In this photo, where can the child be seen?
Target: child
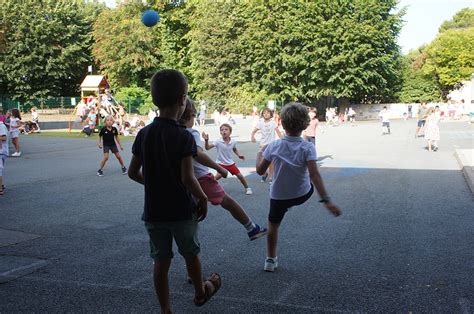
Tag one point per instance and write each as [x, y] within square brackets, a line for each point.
[295, 169]
[163, 162]
[432, 129]
[385, 115]
[3, 152]
[111, 139]
[91, 117]
[214, 192]
[310, 133]
[225, 147]
[15, 123]
[267, 128]
[35, 119]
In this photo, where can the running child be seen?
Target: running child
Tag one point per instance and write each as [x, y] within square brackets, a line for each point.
[3, 152]
[296, 175]
[163, 162]
[225, 147]
[215, 193]
[110, 137]
[15, 124]
[267, 128]
[384, 114]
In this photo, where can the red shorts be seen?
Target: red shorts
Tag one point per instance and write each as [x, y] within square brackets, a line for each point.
[231, 168]
[214, 192]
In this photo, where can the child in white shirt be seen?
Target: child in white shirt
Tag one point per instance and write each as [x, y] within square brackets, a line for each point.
[385, 116]
[214, 192]
[225, 149]
[267, 127]
[296, 175]
[3, 152]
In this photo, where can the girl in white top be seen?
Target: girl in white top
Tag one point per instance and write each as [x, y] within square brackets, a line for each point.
[15, 123]
[267, 127]
[296, 172]
[226, 147]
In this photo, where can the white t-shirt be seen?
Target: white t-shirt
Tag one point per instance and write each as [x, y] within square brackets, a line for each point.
[225, 151]
[4, 132]
[385, 114]
[14, 122]
[34, 116]
[199, 169]
[267, 128]
[289, 156]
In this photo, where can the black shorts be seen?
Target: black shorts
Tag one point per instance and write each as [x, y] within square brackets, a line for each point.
[421, 123]
[278, 208]
[113, 148]
[386, 124]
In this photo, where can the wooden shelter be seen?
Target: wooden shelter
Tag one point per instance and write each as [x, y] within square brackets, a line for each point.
[94, 85]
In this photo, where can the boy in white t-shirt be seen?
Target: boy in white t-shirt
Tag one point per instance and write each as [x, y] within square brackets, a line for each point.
[214, 192]
[296, 175]
[267, 127]
[3, 152]
[385, 116]
[226, 147]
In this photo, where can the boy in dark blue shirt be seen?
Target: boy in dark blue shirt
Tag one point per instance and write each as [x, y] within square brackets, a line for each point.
[163, 162]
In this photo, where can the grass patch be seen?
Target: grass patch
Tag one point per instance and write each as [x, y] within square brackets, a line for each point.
[73, 134]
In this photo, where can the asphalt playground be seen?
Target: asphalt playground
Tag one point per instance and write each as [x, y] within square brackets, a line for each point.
[74, 242]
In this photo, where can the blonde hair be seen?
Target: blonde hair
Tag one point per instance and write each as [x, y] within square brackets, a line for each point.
[294, 117]
[109, 117]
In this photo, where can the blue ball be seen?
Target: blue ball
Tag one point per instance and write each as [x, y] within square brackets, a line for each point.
[150, 18]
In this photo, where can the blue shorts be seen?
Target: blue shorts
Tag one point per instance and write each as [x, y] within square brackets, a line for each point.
[278, 208]
[421, 123]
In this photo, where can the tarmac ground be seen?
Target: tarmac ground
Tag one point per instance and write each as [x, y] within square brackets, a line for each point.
[74, 242]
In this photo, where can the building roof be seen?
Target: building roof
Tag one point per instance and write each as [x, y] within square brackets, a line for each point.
[93, 82]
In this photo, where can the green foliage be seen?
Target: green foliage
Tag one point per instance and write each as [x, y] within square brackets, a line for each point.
[242, 98]
[45, 46]
[462, 19]
[137, 98]
[126, 50]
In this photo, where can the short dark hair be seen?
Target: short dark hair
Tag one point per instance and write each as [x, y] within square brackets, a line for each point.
[294, 117]
[188, 112]
[270, 111]
[168, 87]
[227, 126]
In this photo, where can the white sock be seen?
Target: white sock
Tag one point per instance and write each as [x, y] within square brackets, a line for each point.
[249, 226]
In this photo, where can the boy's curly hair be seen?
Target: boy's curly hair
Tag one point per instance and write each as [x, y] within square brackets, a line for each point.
[189, 112]
[294, 117]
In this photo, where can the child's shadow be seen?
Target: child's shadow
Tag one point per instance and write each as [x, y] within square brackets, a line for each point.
[320, 160]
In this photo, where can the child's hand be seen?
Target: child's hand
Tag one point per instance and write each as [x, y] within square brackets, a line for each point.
[242, 157]
[205, 136]
[223, 172]
[333, 208]
[121, 147]
[100, 146]
[201, 209]
[253, 139]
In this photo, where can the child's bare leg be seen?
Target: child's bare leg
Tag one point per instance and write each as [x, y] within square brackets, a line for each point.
[160, 279]
[119, 158]
[429, 146]
[193, 265]
[103, 161]
[272, 239]
[16, 143]
[242, 180]
[235, 209]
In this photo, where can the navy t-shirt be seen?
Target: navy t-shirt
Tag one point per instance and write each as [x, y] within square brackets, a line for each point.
[108, 135]
[161, 146]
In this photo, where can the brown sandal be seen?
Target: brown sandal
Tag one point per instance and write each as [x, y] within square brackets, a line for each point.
[211, 286]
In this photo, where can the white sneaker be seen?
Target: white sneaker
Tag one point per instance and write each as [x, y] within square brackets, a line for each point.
[271, 263]
[16, 154]
[248, 191]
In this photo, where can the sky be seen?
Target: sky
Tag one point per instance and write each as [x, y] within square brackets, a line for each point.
[422, 20]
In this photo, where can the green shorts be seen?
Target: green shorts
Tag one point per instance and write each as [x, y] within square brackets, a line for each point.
[161, 238]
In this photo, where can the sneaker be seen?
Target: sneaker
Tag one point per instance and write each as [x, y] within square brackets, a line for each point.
[271, 263]
[257, 232]
[124, 170]
[248, 191]
[264, 178]
[16, 154]
[100, 173]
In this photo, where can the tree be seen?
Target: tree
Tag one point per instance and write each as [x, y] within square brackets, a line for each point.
[462, 19]
[46, 46]
[127, 51]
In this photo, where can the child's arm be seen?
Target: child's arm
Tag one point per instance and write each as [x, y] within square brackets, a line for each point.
[134, 170]
[99, 141]
[205, 160]
[206, 141]
[278, 132]
[318, 183]
[263, 166]
[236, 151]
[252, 135]
[191, 183]
[117, 141]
